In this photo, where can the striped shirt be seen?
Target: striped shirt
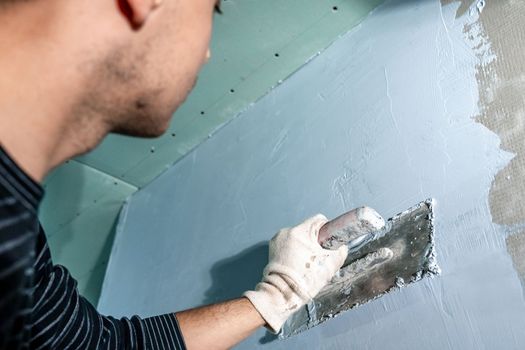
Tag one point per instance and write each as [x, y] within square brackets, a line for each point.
[40, 307]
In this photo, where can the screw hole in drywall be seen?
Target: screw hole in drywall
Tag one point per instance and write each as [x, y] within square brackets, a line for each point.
[335, 8]
[203, 113]
[115, 183]
[173, 135]
[152, 150]
[232, 91]
[276, 54]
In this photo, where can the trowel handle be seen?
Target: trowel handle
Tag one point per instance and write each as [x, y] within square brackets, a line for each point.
[350, 226]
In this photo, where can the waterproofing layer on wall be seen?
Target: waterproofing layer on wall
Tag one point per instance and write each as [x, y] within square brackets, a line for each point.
[255, 45]
[387, 116]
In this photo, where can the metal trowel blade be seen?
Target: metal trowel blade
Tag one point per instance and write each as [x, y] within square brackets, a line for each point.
[400, 254]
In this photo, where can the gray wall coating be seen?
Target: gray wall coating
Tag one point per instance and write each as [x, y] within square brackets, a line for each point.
[516, 248]
[384, 117]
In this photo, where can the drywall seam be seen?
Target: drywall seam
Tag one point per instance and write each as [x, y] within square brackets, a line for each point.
[78, 213]
[118, 233]
[106, 174]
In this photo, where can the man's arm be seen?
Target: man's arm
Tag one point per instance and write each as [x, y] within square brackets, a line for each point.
[298, 268]
[63, 319]
[219, 326]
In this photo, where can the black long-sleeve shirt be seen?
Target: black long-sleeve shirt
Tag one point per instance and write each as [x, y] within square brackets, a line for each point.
[40, 307]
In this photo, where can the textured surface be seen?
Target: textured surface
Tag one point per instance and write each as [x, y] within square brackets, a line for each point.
[503, 100]
[502, 109]
[502, 86]
[516, 247]
[388, 121]
[256, 44]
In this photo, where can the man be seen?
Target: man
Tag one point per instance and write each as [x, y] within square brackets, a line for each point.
[70, 73]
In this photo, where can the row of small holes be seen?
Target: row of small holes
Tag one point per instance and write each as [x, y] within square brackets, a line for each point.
[152, 150]
[232, 91]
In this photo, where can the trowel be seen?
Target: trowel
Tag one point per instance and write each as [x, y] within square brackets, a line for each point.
[382, 257]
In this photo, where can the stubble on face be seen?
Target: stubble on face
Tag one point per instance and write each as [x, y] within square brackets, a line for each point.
[118, 93]
[136, 88]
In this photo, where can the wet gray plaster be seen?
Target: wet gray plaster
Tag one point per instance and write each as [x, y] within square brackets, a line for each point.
[384, 117]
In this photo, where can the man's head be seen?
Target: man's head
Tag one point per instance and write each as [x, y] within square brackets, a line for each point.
[146, 68]
[128, 62]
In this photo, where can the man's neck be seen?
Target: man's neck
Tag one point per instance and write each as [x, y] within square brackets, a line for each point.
[41, 142]
[40, 132]
[40, 86]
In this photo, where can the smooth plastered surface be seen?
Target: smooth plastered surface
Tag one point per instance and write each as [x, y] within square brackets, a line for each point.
[385, 117]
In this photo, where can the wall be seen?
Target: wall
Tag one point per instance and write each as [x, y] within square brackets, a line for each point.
[255, 45]
[502, 86]
[79, 214]
[387, 116]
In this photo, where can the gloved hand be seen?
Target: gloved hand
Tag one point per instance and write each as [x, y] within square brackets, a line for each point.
[297, 270]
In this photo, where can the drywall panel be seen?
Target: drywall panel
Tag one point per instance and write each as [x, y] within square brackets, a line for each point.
[384, 117]
[79, 213]
[255, 45]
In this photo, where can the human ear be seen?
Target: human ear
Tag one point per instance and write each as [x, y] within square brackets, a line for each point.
[137, 11]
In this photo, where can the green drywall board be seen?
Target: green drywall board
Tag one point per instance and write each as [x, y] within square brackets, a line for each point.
[90, 285]
[78, 213]
[246, 38]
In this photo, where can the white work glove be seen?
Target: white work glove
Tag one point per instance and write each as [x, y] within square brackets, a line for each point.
[297, 270]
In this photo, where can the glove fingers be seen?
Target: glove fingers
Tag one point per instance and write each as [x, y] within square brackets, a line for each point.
[334, 260]
[342, 254]
[313, 225]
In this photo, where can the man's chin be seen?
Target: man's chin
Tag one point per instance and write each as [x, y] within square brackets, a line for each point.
[144, 130]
